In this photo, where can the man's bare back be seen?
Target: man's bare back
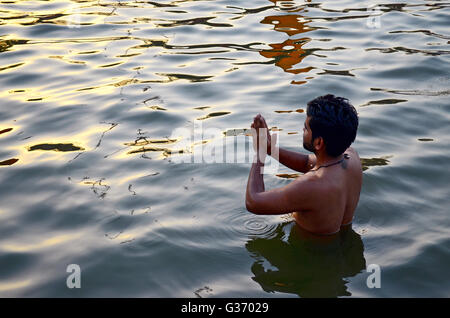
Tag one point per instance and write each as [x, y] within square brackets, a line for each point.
[339, 187]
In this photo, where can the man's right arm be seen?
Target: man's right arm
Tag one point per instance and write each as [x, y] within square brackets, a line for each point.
[295, 160]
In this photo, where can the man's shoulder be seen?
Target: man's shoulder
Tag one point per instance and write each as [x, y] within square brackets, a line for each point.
[351, 149]
[358, 163]
[308, 180]
[353, 152]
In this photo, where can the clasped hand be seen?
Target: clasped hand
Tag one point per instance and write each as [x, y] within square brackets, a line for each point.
[262, 140]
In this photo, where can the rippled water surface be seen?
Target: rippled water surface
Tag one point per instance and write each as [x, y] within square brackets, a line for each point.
[93, 93]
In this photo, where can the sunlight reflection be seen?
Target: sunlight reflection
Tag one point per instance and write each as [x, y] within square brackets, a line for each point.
[38, 243]
[58, 148]
[7, 286]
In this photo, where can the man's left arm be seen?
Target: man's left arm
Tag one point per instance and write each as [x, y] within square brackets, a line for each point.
[299, 195]
[255, 184]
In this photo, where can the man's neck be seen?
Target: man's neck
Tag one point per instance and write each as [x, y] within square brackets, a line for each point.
[324, 159]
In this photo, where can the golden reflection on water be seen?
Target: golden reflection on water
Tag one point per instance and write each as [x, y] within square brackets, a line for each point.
[157, 107]
[165, 151]
[129, 178]
[65, 97]
[143, 141]
[67, 13]
[57, 148]
[287, 55]
[11, 66]
[4, 133]
[214, 114]
[6, 286]
[41, 243]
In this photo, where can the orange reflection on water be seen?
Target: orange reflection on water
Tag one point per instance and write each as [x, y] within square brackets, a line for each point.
[287, 54]
[290, 24]
[290, 52]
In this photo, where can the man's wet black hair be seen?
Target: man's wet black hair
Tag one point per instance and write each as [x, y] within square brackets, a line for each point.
[335, 120]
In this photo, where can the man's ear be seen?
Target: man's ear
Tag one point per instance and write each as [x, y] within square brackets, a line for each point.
[319, 144]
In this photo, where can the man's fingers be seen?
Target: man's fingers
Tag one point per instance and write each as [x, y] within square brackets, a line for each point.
[257, 124]
[263, 121]
[260, 122]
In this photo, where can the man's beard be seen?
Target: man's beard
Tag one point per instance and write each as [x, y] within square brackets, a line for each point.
[309, 146]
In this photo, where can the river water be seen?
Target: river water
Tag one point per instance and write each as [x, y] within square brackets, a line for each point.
[99, 99]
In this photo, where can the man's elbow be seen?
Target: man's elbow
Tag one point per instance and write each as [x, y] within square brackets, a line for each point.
[249, 206]
[252, 207]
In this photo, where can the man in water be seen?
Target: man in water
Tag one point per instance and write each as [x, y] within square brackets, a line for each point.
[325, 197]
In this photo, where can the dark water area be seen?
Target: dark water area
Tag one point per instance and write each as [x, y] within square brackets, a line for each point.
[95, 169]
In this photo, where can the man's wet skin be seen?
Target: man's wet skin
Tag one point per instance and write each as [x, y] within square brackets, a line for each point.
[340, 187]
[323, 199]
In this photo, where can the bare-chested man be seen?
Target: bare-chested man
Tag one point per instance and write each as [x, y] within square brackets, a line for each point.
[325, 197]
